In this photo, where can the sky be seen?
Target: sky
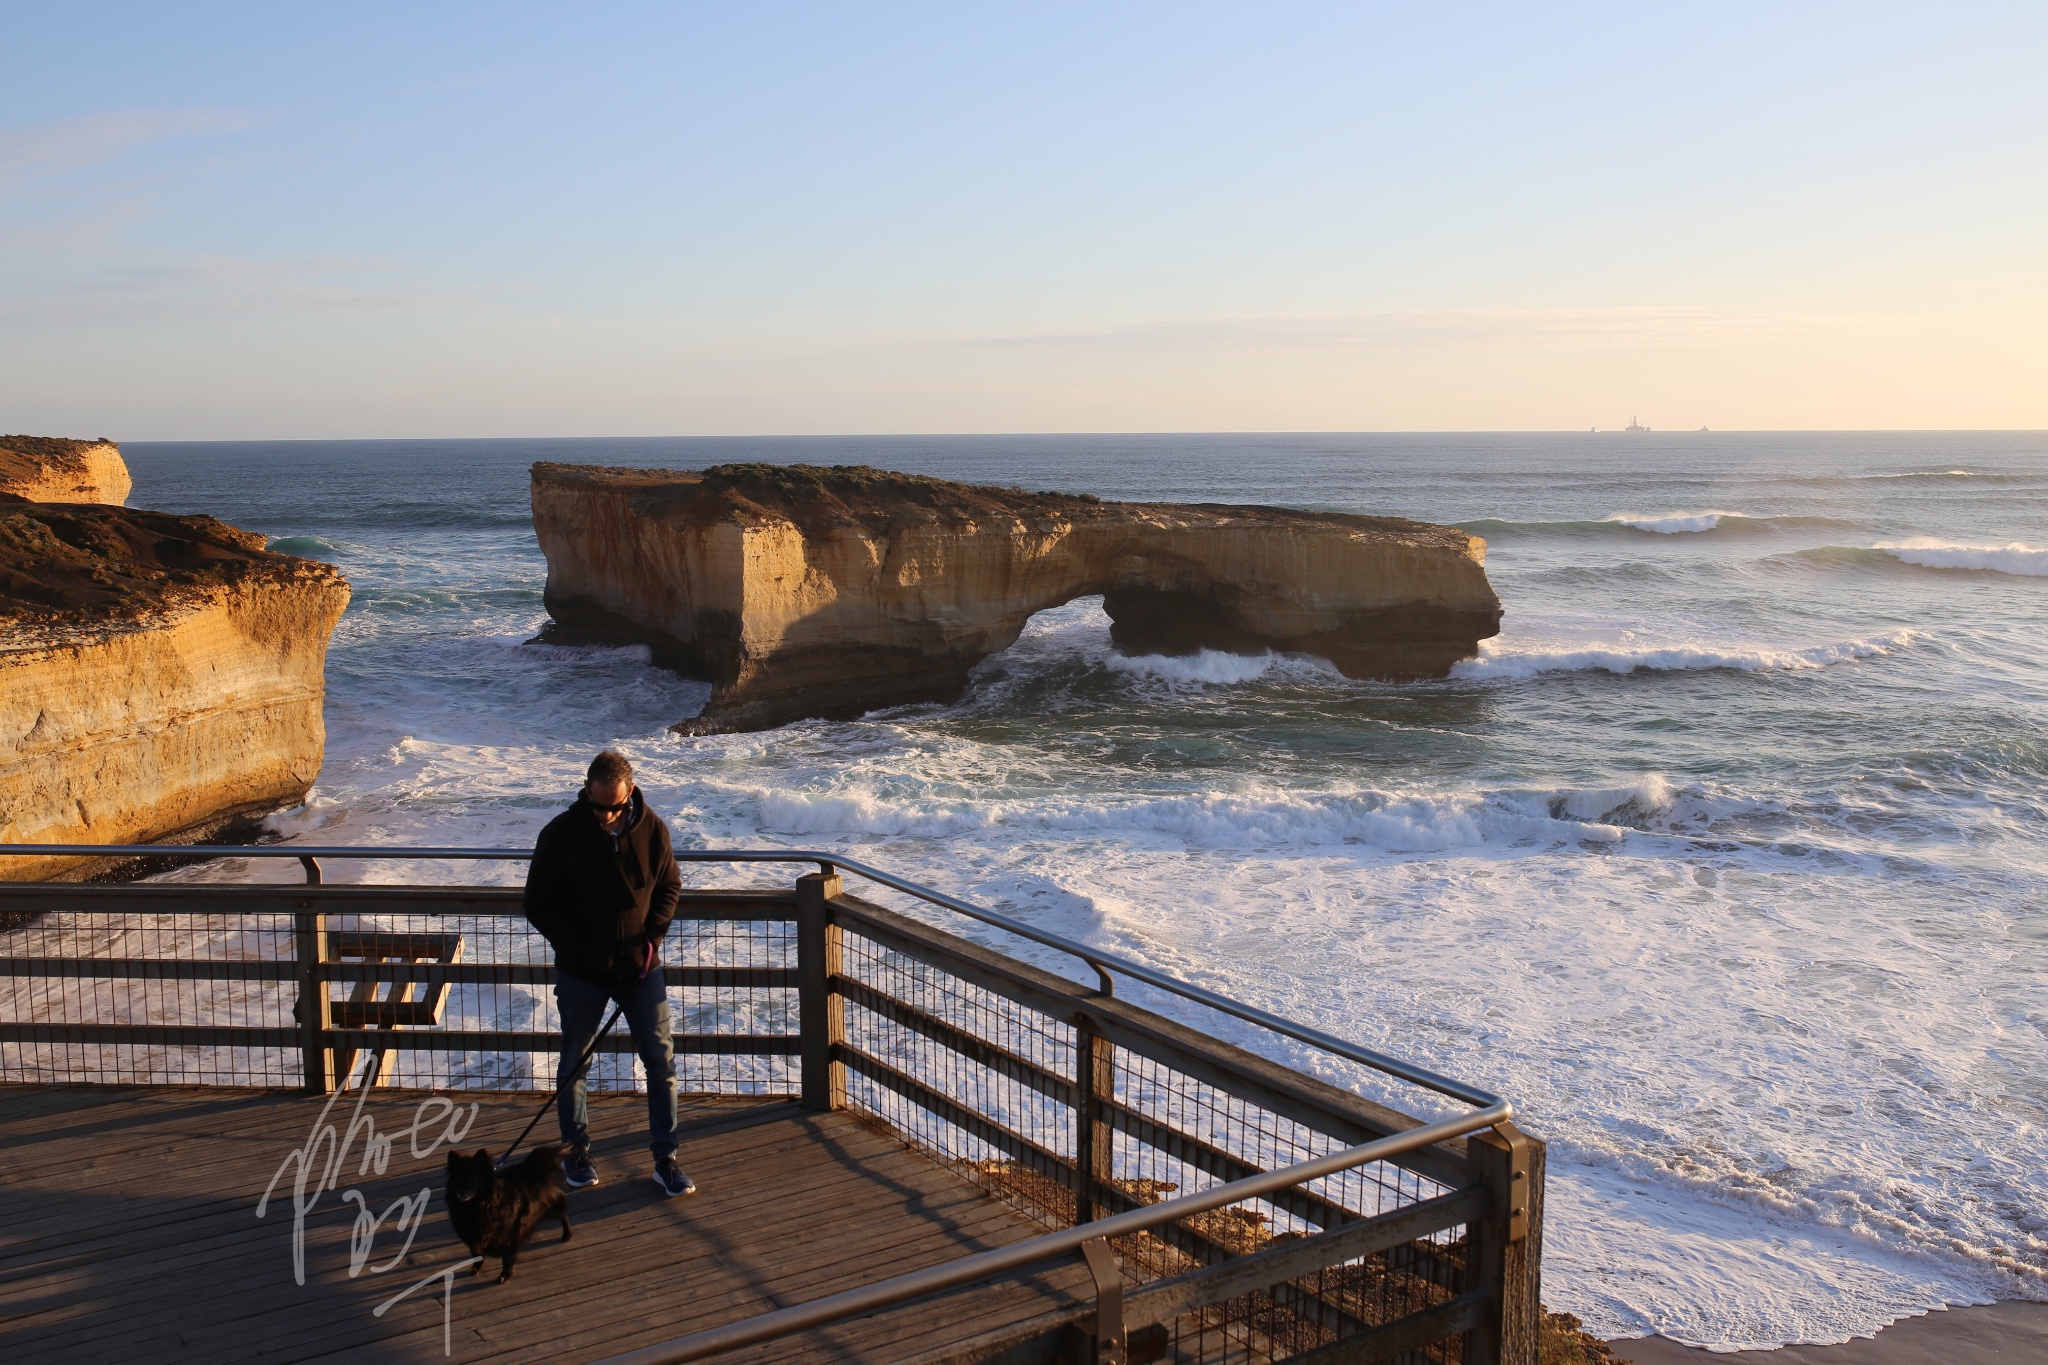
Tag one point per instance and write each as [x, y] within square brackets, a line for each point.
[363, 220]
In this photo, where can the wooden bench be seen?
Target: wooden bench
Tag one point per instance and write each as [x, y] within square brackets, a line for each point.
[400, 1007]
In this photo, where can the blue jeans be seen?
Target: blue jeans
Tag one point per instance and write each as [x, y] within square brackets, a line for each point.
[582, 1005]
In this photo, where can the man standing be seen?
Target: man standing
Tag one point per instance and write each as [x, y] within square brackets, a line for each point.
[602, 888]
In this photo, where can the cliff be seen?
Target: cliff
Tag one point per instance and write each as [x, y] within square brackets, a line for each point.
[160, 677]
[830, 592]
[52, 469]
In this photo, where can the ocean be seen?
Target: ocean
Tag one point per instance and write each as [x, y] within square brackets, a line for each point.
[1725, 861]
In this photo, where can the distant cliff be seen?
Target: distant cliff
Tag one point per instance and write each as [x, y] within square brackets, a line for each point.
[801, 591]
[53, 469]
[160, 677]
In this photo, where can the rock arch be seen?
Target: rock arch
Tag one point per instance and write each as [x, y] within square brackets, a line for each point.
[801, 591]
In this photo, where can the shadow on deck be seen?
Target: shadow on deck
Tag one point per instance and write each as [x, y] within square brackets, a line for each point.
[128, 1231]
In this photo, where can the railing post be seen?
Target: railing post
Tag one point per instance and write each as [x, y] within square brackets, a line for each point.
[1112, 1345]
[1094, 1139]
[1504, 1250]
[313, 1011]
[821, 1010]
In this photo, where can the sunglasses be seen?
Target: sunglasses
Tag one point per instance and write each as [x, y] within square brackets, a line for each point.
[611, 810]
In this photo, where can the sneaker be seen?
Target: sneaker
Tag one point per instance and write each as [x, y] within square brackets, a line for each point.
[673, 1179]
[577, 1172]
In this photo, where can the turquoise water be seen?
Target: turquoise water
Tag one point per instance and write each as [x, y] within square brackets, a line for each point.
[1725, 861]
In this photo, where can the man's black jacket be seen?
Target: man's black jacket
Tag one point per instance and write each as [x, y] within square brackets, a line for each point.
[595, 897]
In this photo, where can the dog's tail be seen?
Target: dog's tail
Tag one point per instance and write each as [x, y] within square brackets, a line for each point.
[546, 1158]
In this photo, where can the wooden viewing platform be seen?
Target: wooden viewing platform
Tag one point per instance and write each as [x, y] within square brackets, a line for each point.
[128, 1232]
[864, 1096]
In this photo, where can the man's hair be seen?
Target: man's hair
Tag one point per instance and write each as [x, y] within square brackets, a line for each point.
[609, 767]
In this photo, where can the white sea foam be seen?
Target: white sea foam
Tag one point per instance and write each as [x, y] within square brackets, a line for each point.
[1930, 553]
[1257, 818]
[1673, 523]
[1207, 668]
[1501, 662]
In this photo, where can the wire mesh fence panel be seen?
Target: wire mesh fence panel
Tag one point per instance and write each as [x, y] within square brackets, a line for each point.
[211, 998]
[963, 1072]
[1178, 1134]
[724, 1000]
[63, 977]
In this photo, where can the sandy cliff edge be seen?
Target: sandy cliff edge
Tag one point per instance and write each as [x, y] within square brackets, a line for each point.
[802, 591]
[159, 676]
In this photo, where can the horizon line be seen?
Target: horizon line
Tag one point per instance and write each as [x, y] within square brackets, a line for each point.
[1213, 431]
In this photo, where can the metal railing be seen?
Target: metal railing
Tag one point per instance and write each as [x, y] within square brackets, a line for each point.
[1237, 1209]
[1111, 1322]
[1106, 965]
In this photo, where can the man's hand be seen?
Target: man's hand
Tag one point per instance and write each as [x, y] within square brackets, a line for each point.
[645, 955]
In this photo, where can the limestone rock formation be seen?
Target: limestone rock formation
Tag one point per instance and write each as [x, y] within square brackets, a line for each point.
[52, 469]
[160, 677]
[830, 592]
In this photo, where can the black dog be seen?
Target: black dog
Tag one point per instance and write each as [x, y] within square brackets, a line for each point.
[494, 1211]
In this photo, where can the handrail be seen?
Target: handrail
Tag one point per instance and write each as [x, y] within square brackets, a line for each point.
[884, 1293]
[265, 851]
[1103, 963]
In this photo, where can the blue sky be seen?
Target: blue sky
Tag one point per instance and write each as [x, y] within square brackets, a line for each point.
[277, 221]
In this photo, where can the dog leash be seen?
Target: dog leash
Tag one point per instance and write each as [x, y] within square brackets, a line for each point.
[562, 1085]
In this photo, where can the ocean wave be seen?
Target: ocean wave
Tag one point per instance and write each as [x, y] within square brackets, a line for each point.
[1678, 523]
[527, 641]
[1209, 667]
[1495, 662]
[305, 547]
[424, 515]
[1385, 822]
[2016, 558]
[1215, 668]
[315, 813]
[1710, 521]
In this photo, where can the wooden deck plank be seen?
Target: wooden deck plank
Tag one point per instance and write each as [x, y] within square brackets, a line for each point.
[513, 1317]
[228, 1247]
[132, 1304]
[587, 1328]
[126, 1230]
[57, 1214]
[378, 1193]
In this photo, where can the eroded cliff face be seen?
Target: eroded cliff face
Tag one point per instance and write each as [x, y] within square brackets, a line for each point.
[53, 469]
[813, 592]
[160, 676]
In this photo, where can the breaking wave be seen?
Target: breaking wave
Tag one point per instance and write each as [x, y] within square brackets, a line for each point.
[305, 547]
[1663, 523]
[1678, 523]
[1496, 663]
[1209, 667]
[1929, 553]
